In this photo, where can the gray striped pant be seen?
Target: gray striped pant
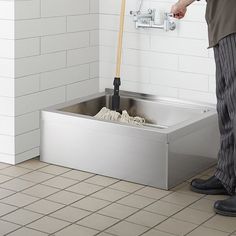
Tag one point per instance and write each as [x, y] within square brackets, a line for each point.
[225, 58]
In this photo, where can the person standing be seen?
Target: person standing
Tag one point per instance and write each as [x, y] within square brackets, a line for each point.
[221, 21]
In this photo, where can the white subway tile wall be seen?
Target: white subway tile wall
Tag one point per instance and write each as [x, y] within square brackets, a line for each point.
[52, 51]
[48, 55]
[175, 63]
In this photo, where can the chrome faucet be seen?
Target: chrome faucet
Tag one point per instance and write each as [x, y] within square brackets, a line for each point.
[147, 20]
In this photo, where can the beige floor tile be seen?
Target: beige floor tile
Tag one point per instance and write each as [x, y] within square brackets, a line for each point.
[136, 201]
[22, 217]
[202, 231]
[76, 230]
[27, 232]
[44, 206]
[34, 172]
[54, 170]
[193, 216]
[36, 176]
[152, 192]
[70, 214]
[91, 204]
[164, 208]
[101, 180]
[77, 175]
[98, 222]
[5, 193]
[40, 191]
[33, 164]
[117, 211]
[19, 200]
[126, 186]
[176, 227]
[65, 197]
[48, 225]
[226, 224]
[180, 199]
[17, 184]
[154, 232]
[216, 197]
[84, 188]
[109, 194]
[60, 182]
[195, 177]
[7, 227]
[179, 186]
[104, 234]
[4, 165]
[126, 229]
[146, 218]
[5, 209]
[204, 177]
[14, 171]
[211, 171]
[203, 205]
[186, 190]
[4, 178]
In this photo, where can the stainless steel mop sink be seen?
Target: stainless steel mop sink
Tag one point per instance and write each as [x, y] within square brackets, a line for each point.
[179, 140]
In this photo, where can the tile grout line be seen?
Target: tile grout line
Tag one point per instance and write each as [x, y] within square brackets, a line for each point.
[83, 198]
[93, 212]
[23, 207]
[138, 210]
[44, 198]
[150, 228]
[17, 177]
[104, 187]
[173, 215]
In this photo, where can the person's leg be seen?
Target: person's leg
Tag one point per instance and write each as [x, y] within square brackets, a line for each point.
[225, 57]
[223, 182]
[226, 167]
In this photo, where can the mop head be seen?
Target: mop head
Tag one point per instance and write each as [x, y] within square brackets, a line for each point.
[107, 114]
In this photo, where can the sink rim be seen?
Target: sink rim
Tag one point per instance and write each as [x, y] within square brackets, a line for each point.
[211, 111]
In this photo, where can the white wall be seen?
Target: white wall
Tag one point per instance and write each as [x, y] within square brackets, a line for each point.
[7, 48]
[54, 58]
[176, 64]
[52, 51]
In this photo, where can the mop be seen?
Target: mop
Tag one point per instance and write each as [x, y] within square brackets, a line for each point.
[124, 117]
[115, 114]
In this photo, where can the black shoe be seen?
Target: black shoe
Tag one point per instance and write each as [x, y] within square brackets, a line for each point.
[226, 207]
[211, 186]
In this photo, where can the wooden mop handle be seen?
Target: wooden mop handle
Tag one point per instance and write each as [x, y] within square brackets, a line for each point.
[120, 39]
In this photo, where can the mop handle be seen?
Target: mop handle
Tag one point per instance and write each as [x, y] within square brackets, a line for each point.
[120, 39]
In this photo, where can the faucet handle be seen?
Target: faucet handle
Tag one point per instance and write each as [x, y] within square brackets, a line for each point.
[169, 24]
[153, 14]
[135, 15]
[168, 15]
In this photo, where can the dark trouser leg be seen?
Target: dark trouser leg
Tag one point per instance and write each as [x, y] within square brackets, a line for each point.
[225, 57]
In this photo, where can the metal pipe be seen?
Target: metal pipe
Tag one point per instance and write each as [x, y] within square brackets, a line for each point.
[150, 25]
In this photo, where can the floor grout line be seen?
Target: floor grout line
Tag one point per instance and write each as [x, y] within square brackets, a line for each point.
[94, 212]
[120, 220]
[139, 209]
[60, 208]
[23, 207]
[89, 195]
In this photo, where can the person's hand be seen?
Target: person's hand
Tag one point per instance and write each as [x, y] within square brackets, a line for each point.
[179, 10]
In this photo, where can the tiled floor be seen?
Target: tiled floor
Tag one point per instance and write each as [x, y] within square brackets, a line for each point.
[39, 199]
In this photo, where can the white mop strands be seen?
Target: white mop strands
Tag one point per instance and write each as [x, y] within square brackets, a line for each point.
[107, 114]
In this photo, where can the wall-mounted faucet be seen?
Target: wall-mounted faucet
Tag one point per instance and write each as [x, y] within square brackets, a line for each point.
[147, 20]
